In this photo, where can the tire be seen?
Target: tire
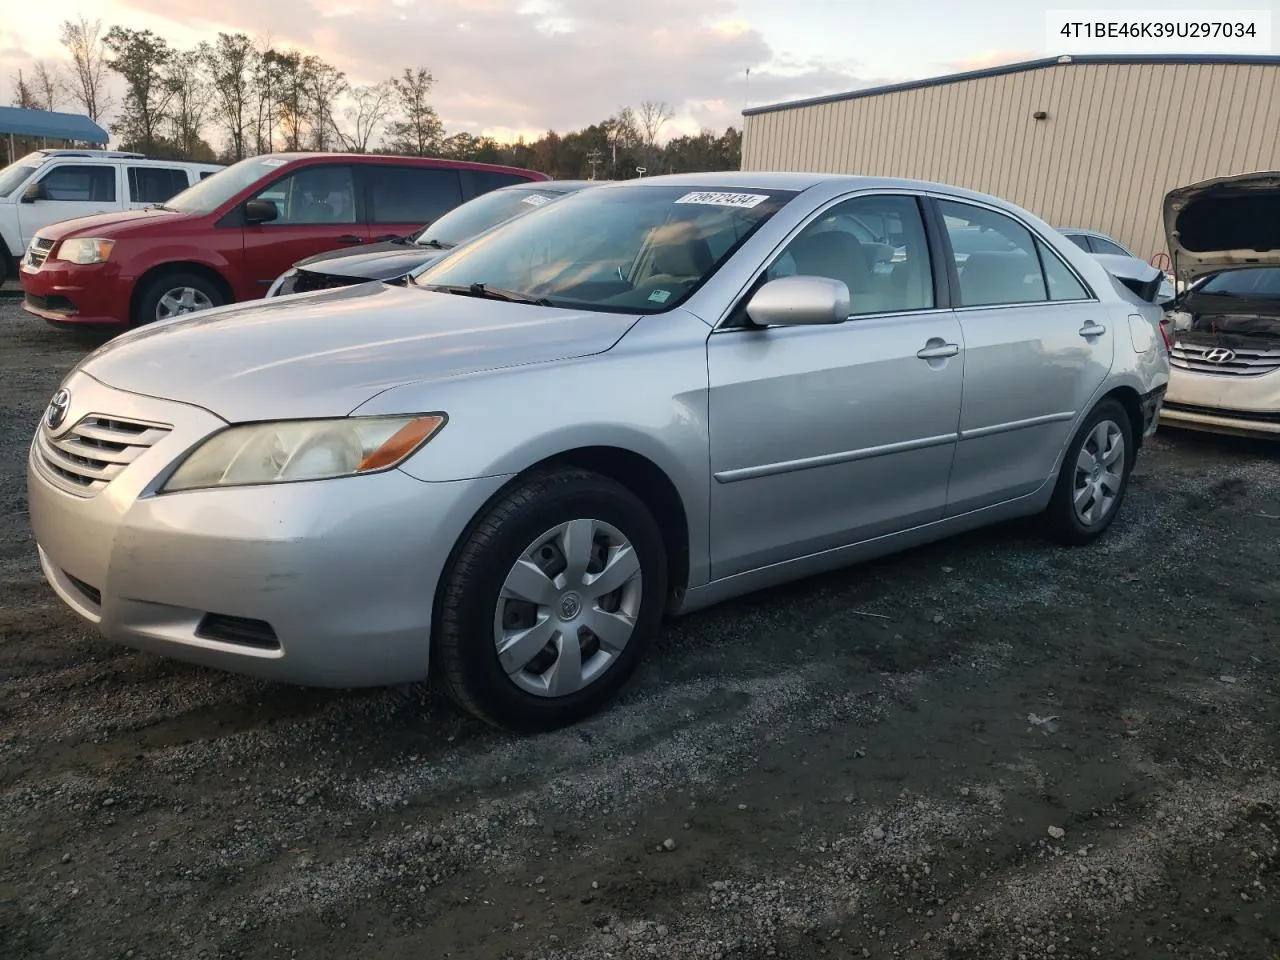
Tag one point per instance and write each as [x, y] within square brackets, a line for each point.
[204, 295]
[8, 264]
[470, 629]
[1063, 521]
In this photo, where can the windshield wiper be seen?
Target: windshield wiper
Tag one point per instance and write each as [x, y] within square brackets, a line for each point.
[434, 244]
[488, 293]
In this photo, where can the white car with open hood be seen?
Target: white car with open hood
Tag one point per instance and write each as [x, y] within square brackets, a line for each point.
[1224, 240]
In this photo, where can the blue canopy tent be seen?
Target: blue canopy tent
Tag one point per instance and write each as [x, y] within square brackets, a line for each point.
[47, 125]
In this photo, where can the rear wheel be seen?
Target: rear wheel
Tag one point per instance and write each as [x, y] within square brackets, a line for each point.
[175, 294]
[1094, 476]
[8, 265]
[548, 605]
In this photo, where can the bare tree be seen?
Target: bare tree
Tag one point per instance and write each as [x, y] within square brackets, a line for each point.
[369, 109]
[652, 118]
[419, 132]
[324, 85]
[191, 95]
[86, 44]
[48, 85]
[232, 62]
[24, 95]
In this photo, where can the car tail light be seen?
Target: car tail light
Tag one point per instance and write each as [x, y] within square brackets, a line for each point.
[1165, 324]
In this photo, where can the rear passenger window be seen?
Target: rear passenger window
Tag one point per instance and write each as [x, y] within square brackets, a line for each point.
[485, 180]
[1063, 284]
[80, 182]
[414, 195]
[876, 245]
[995, 257]
[155, 184]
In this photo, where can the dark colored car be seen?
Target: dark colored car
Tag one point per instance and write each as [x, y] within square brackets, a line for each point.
[394, 260]
[227, 238]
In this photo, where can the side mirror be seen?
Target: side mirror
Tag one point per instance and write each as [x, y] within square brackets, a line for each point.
[260, 211]
[799, 301]
[33, 193]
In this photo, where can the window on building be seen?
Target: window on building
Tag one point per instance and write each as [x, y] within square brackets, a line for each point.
[414, 195]
[876, 245]
[995, 257]
[80, 182]
[156, 184]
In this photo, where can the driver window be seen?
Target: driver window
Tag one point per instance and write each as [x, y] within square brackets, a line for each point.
[875, 244]
[313, 195]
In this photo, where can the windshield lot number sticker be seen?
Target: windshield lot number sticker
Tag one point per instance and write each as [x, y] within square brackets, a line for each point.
[660, 296]
[746, 200]
[535, 199]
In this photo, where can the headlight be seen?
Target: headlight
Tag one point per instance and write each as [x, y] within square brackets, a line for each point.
[85, 250]
[284, 283]
[1178, 319]
[302, 450]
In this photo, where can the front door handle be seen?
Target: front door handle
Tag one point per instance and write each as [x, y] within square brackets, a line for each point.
[939, 352]
[350, 238]
[1092, 329]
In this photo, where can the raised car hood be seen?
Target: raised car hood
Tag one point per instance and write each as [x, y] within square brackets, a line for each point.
[1224, 223]
[382, 261]
[324, 354]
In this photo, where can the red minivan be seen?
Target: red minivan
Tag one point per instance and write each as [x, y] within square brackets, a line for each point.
[229, 236]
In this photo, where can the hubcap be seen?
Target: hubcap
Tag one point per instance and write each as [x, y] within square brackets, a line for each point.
[181, 300]
[567, 608]
[1099, 472]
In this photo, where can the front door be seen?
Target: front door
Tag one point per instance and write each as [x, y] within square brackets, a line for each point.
[70, 190]
[317, 213]
[1036, 351]
[828, 435]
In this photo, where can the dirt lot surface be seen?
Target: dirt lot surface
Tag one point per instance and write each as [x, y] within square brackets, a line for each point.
[991, 748]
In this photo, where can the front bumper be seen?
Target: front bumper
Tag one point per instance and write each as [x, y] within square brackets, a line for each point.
[1246, 406]
[80, 294]
[325, 583]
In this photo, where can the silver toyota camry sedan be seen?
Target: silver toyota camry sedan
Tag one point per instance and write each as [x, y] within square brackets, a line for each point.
[643, 399]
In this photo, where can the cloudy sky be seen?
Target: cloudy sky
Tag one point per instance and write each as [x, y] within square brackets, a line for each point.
[505, 67]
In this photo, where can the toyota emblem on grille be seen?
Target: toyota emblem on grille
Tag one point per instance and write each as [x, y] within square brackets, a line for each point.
[1220, 355]
[58, 407]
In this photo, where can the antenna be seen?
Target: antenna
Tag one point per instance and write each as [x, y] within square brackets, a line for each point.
[746, 91]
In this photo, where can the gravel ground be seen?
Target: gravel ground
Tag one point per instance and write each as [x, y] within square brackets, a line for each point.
[990, 748]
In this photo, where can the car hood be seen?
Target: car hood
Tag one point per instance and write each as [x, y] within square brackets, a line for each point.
[1223, 223]
[324, 354]
[377, 261]
[111, 225]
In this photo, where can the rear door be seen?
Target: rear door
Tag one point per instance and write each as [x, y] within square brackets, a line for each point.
[318, 209]
[147, 185]
[70, 190]
[402, 199]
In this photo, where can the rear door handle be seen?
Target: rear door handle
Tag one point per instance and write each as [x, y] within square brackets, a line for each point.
[939, 352]
[350, 238]
[1092, 329]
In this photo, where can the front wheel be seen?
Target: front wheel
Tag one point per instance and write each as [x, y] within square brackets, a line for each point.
[175, 294]
[548, 605]
[1094, 477]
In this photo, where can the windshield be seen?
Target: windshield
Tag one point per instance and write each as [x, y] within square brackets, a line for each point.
[1261, 283]
[212, 192]
[628, 249]
[476, 216]
[12, 176]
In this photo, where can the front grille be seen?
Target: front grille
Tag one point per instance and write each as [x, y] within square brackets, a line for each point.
[38, 252]
[95, 450]
[1223, 412]
[1242, 363]
[307, 280]
[242, 631]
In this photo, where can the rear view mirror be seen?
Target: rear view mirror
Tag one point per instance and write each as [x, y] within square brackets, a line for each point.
[260, 211]
[799, 301]
[33, 193]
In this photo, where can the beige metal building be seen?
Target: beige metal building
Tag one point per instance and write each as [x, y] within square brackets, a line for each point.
[1084, 141]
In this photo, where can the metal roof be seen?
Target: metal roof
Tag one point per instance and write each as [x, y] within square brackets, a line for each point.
[1020, 67]
[44, 123]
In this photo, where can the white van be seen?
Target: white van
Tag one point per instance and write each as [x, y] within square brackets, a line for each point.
[52, 185]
